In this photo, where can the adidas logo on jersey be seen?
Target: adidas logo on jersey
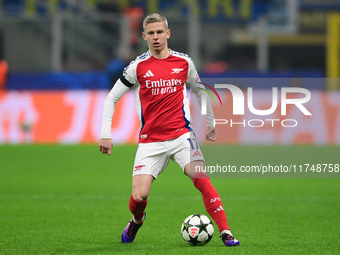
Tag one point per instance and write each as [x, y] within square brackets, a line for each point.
[148, 74]
[197, 154]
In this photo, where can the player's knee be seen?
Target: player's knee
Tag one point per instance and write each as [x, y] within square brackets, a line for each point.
[141, 186]
[200, 175]
[140, 195]
[139, 198]
[199, 179]
[194, 168]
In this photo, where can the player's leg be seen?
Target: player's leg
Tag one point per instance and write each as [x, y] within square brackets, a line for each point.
[211, 199]
[141, 185]
[150, 161]
[186, 151]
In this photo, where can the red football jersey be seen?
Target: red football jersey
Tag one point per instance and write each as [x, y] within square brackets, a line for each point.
[161, 95]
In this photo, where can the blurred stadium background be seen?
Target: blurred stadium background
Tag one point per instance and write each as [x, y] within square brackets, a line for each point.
[59, 58]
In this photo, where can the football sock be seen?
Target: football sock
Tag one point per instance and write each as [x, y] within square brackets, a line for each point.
[137, 209]
[212, 200]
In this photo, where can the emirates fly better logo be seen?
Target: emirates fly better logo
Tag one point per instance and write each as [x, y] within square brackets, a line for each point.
[239, 103]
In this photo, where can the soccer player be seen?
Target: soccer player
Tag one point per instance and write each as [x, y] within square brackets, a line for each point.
[160, 77]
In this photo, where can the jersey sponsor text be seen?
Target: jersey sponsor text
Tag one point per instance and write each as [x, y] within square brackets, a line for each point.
[162, 83]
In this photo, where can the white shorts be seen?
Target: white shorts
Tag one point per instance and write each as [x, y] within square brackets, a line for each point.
[152, 158]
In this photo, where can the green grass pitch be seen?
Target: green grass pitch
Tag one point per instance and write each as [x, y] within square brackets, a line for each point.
[74, 200]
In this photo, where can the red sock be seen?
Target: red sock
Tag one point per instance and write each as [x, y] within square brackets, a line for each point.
[212, 200]
[137, 208]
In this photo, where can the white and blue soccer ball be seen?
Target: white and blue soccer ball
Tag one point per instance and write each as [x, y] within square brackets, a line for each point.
[197, 230]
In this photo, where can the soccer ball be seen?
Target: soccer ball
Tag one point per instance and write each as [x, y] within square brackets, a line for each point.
[197, 230]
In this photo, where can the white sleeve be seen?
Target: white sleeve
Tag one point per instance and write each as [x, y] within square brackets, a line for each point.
[118, 90]
[198, 89]
[202, 95]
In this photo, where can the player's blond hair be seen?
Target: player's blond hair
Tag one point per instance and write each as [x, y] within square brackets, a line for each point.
[154, 17]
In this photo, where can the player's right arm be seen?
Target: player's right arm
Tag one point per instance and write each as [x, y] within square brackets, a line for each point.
[105, 145]
[122, 85]
[118, 90]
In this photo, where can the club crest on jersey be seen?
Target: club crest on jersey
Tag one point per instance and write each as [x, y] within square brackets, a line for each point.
[139, 167]
[176, 70]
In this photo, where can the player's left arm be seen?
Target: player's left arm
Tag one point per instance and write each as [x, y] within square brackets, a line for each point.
[211, 133]
[198, 89]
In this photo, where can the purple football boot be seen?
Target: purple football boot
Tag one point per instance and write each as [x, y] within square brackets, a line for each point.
[228, 239]
[129, 233]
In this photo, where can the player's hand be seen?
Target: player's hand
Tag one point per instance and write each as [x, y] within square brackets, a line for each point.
[105, 145]
[211, 134]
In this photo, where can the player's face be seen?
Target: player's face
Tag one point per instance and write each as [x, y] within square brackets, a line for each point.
[156, 36]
